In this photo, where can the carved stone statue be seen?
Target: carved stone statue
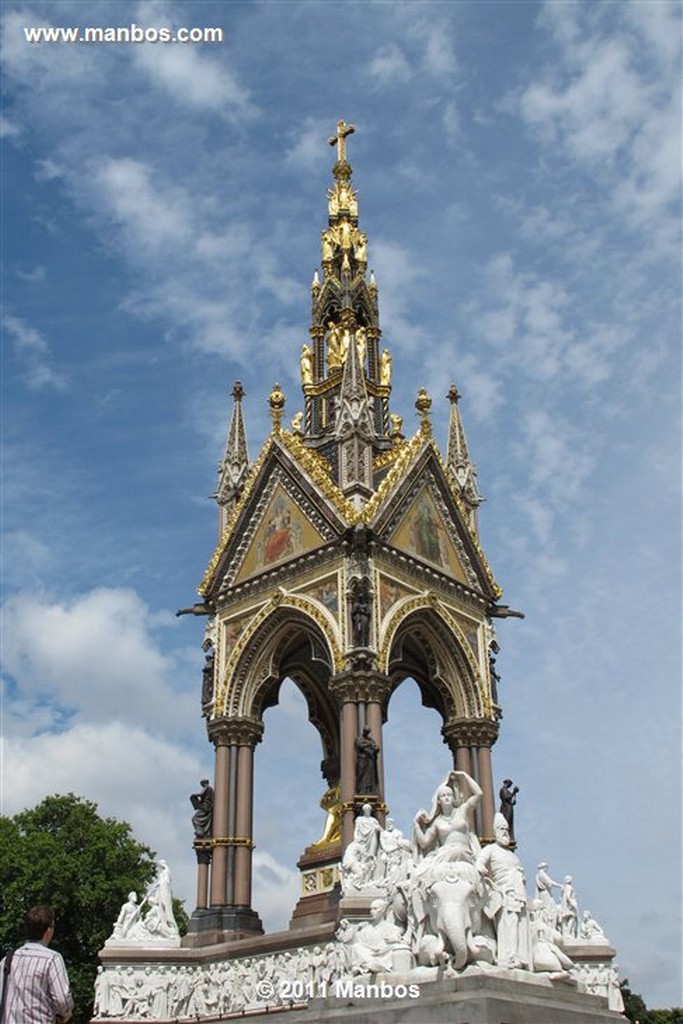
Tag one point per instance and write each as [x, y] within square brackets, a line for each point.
[569, 911]
[590, 930]
[360, 863]
[446, 897]
[160, 920]
[202, 819]
[367, 752]
[544, 888]
[375, 944]
[547, 955]
[507, 903]
[508, 799]
[394, 852]
[128, 919]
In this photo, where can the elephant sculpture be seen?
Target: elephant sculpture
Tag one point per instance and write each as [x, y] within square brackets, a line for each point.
[453, 926]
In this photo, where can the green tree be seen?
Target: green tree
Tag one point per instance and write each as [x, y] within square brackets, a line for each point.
[672, 1016]
[634, 1005]
[64, 854]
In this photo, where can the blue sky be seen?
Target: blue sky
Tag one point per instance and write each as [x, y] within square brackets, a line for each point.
[518, 175]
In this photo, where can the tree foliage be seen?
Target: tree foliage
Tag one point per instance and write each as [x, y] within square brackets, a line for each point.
[64, 854]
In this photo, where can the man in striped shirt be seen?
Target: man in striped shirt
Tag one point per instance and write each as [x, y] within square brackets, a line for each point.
[37, 984]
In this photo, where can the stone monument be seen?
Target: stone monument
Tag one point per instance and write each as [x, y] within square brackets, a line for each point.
[349, 559]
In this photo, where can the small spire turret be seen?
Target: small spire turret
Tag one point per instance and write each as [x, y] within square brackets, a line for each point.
[234, 466]
[458, 460]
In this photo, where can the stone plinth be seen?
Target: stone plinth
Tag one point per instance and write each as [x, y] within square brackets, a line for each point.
[320, 874]
[469, 999]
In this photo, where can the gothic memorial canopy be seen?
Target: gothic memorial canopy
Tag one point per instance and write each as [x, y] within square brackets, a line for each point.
[348, 559]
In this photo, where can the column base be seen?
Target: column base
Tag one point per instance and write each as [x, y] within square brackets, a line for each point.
[221, 924]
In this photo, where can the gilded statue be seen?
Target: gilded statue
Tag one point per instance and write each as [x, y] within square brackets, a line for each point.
[306, 365]
[331, 804]
[328, 241]
[344, 235]
[361, 344]
[335, 356]
[297, 423]
[360, 248]
[385, 368]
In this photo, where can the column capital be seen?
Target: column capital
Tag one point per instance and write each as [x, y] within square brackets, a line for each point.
[242, 732]
[359, 685]
[470, 732]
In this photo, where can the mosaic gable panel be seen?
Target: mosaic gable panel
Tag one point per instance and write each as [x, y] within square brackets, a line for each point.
[283, 533]
[422, 532]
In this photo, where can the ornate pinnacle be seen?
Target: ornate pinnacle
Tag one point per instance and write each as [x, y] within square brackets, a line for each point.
[276, 400]
[423, 405]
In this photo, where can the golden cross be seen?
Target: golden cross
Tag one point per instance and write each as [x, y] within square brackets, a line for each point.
[339, 140]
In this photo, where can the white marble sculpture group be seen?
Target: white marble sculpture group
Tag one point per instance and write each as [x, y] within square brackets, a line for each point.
[438, 905]
[156, 927]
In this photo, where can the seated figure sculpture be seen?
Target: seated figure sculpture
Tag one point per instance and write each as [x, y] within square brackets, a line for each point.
[376, 943]
[445, 894]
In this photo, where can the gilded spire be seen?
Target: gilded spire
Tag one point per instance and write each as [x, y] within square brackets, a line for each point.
[458, 458]
[344, 319]
[234, 466]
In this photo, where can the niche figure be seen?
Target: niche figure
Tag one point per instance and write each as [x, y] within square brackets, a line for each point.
[360, 614]
[367, 752]
[207, 677]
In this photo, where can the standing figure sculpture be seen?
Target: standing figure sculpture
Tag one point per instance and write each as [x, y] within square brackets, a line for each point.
[507, 903]
[367, 753]
[207, 677]
[360, 613]
[202, 819]
[508, 799]
[160, 920]
[544, 893]
[569, 911]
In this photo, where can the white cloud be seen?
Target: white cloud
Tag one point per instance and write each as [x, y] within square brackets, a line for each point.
[610, 109]
[390, 65]
[33, 355]
[193, 76]
[304, 149]
[128, 771]
[8, 128]
[54, 649]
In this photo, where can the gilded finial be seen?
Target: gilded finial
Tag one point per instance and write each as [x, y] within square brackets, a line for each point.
[453, 394]
[315, 283]
[276, 400]
[423, 405]
[339, 140]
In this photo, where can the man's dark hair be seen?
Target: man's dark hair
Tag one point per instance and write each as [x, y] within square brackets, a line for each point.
[37, 922]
